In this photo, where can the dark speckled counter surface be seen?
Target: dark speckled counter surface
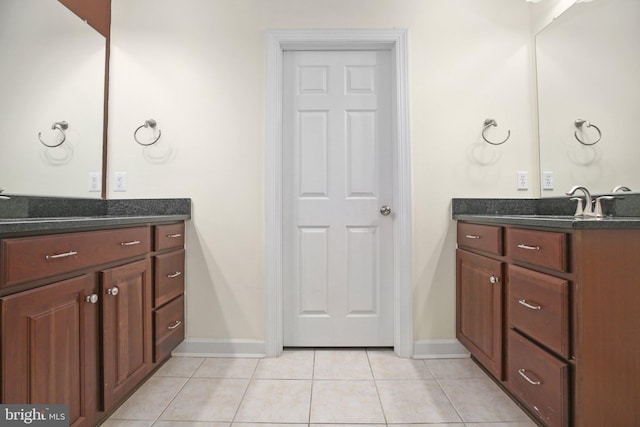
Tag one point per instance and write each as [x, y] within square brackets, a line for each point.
[24, 215]
[548, 213]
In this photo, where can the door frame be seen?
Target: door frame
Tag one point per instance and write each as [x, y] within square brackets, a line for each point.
[394, 41]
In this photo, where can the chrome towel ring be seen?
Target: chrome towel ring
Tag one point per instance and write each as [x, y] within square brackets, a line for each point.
[61, 126]
[151, 123]
[579, 123]
[487, 124]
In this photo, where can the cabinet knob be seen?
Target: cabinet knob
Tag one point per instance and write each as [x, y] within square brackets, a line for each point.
[91, 299]
[113, 291]
[494, 279]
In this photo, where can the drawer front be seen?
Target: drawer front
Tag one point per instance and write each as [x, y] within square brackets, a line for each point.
[543, 248]
[31, 258]
[169, 276]
[169, 328]
[539, 380]
[538, 306]
[486, 238]
[169, 236]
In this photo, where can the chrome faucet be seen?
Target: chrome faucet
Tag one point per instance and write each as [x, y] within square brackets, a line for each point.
[620, 188]
[588, 200]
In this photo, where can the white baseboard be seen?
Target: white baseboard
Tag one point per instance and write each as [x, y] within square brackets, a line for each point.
[207, 347]
[439, 349]
[198, 347]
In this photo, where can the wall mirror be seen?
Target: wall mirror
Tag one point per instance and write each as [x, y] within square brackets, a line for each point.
[53, 70]
[588, 68]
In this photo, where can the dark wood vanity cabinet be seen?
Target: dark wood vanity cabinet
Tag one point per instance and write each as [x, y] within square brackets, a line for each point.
[479, 294]
[570, 337]
[480, 308]
[79, 329]
[126, 328]
[38, 366]
[168, 313]
[538, 319]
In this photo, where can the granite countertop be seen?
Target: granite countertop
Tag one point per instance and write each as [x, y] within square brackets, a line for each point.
[553, 221]
[547, 213]
[29, 225]
[23, 215]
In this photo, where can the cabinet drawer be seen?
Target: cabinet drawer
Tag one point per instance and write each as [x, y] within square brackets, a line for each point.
[538, 306]
[169, 276]
[480, 237]
[30, 258]
[169, 236]
[169, 328]
[539, 379]
[543, 248]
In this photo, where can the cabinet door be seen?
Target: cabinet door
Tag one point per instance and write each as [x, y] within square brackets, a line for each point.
[126, 333]
[479, 308]
[49, 347]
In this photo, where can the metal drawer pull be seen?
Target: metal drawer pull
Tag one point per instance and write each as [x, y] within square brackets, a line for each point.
[531, 248]
[176, 274]
[472, 236]
[494, 279]
[174, 236]
[64, 255]
[175, 325]
[131, 243]
[93, 298]
[113, 291]
[526, 304]
[529, 380]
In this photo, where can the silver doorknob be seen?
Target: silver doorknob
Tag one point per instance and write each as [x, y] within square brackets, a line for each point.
[92, 299]
[113, 291]
[385, 210]
[494, 279]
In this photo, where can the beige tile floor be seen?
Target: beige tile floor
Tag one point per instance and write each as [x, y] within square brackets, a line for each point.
[319, 387]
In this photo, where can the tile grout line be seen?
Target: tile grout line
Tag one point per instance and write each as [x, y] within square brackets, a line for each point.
[178, 392]
[453, 405]
[244, 394]
[375, 382]
[313, 382]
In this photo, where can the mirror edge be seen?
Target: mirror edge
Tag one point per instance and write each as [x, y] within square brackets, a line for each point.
[545, 12]
[97, 14]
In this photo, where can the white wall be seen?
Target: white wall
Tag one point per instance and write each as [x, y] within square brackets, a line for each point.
[198, 67]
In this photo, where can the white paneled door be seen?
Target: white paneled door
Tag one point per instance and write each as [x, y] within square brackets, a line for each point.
[337, 199]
